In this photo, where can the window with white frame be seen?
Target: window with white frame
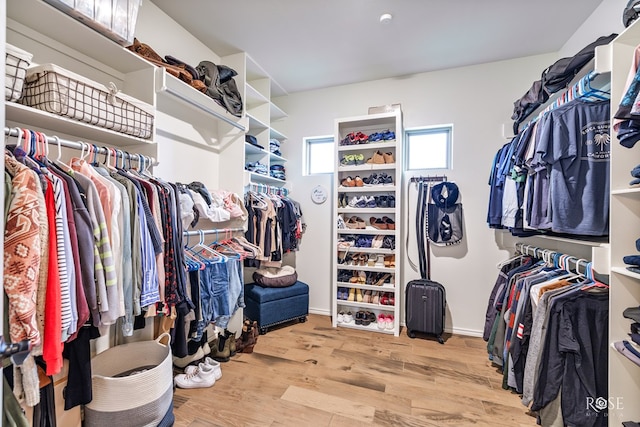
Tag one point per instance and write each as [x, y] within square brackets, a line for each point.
[319, 155]
[428, 148]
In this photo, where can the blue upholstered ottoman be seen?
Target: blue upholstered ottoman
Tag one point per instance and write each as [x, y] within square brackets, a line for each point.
[272, 306]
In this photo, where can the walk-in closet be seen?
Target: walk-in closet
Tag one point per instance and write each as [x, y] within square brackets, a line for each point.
[320, 213]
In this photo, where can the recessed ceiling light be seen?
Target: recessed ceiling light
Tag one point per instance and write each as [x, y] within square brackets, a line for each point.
[386, 18]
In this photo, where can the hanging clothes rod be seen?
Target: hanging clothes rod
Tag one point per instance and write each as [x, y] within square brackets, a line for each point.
[81, 146]
[435, 178]
[265, 188]
[212, 231]
[557, 258]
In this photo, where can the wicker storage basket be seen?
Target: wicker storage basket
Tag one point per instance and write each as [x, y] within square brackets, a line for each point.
[59, 91]
[17, 61]
[132, 385]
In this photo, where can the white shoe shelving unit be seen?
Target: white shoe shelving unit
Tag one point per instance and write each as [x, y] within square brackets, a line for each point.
[391, 288]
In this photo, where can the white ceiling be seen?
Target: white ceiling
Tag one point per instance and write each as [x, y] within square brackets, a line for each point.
[305, 44]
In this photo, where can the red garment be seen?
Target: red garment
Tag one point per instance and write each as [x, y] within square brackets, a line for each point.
[52, 343]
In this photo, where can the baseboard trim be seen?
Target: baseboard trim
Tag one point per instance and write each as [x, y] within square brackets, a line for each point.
[467, 332]
[319, 311]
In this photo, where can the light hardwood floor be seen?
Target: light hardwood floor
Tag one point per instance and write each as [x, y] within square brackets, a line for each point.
[310, 374]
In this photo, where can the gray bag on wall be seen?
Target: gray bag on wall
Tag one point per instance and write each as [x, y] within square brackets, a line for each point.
[445, 215]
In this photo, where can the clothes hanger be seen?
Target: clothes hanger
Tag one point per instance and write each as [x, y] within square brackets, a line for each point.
[203, 250]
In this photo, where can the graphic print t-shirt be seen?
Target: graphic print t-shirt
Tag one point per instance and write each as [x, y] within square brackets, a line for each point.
[576, 143]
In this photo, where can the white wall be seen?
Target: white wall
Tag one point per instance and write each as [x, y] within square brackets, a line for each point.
[606, 19]
[477, 100]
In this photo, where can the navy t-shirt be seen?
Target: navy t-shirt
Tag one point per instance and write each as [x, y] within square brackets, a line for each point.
[575, 142]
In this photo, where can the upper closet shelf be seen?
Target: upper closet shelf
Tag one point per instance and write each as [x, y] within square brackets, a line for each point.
[63, 32]
[170, 89]
[27, 117]
[277, 113]
[254, 97]
[255, 123]
[275, 134]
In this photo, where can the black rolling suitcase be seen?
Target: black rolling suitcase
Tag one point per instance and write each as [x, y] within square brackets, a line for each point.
[425, 303]
[425, 300]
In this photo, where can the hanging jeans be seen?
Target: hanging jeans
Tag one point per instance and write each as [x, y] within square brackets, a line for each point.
[214, 292]
[236, 291]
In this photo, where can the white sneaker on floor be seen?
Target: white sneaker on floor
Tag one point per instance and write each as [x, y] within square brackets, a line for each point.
[201, 376]
[217, 370]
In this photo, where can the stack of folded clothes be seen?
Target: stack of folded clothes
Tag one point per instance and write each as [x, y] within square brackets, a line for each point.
[277, 171]
[256, 167]
[274, 147]
[633, 261]
[635, 173]
[631, 348]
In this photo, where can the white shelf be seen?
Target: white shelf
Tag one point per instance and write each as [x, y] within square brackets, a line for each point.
[385, 288]
[365, 231]
[64, 32]
[624, 272]
[277, 113]
[32, 117]
[381, 251]
[631, 192]
[366, 268]
[373, 327]
[367, 167]
[368, 146]
[255, 123]
[253, 97]
[367, 210]
[275, 159]
[252, 149]
[265, 179]
[367, 189]
[171, 89]
[366, 305]
[275, 134]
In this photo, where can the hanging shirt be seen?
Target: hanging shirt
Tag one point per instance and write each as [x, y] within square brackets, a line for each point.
[576, 144]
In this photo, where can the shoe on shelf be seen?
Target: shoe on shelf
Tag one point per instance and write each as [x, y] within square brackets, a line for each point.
[379, 259]
[388, 157]
[375, 297]
[362, 138]
[389, 135]
[382, 321]
[378, 223]
[377, 159]
[375, 137]
[359, 317]
[201, 376]
[352, 294]
[348, 317]
[348, 182]
[370, 202]
[358, 181]
[390, 223]
[348, 160]
[388, 321]
[340, 318]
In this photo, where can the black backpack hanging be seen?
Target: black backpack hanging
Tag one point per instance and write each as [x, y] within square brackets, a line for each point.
[557, 76]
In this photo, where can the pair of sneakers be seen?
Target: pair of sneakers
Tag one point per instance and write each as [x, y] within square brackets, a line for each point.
[363, 202]
[385, 321]
[203, 375]
[345, 317]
